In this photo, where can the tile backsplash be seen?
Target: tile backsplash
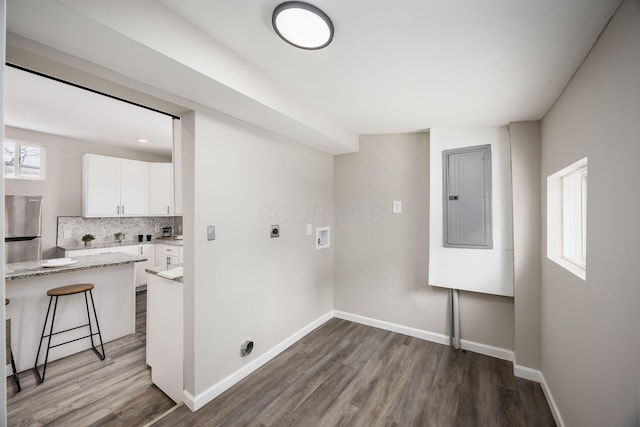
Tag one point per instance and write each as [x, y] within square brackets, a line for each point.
[72, 228]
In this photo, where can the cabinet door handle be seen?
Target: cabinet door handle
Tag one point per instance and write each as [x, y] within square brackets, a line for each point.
[122, 209]
[167, 209]
[118, 209]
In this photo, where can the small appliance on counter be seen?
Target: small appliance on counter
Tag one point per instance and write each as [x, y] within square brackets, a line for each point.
[167, 231]
[22, 228]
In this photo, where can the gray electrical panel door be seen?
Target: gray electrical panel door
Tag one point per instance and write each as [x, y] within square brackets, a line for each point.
[467, 197]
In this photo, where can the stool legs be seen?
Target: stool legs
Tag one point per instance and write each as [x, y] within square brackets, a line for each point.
[44, 328]
[91, 334]
[100, 355]
[15, 372]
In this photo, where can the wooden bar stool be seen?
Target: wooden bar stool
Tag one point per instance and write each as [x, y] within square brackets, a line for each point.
[9, 351]
[61, 292]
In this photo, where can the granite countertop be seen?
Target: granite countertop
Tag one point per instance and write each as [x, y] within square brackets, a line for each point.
[156, 270]
[22, 270]
[114, 244]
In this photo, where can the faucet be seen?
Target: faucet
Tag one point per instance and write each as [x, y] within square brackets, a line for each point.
[119, 236]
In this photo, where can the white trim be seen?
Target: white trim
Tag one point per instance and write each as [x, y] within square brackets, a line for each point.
[552, 403]
[487, 350]
[393, 327]
[526, 373]
[196, 402]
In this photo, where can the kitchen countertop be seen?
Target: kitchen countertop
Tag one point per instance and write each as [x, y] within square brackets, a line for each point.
[21, 270]
[156, 270]
[101, 245]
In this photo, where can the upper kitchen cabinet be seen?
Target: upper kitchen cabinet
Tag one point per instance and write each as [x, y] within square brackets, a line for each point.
[160, 189]
[114, 187]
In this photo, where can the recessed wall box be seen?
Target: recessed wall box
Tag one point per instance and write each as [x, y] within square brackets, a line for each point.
[323, 237]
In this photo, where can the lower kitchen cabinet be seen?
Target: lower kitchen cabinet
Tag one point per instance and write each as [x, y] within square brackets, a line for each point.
[146, 250]
[167, 255]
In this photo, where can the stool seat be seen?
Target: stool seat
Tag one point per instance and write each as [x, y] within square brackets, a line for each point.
[69, 289]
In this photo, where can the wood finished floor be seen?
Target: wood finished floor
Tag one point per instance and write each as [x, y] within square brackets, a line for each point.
[81, 390]
[346, 374]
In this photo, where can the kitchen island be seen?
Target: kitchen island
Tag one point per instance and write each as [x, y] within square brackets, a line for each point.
[27, 284]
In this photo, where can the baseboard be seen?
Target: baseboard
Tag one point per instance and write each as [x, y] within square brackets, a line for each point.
[393, 327]
[526, 373]
[196, 402]
[487, 350]
[552, 403]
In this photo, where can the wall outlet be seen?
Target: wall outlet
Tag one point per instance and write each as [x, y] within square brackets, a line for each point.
[275, 231]
[211, 232]
[157, 228]
[397, 206]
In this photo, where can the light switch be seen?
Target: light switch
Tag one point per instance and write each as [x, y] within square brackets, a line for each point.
[211, 232]
[309, 229]
[397, 206]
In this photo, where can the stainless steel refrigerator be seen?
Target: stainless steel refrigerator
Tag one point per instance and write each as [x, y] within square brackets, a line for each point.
[22, 228]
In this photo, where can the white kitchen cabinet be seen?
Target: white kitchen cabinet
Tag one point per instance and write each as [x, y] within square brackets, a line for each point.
[146, 250]
[160, 189]
[100, 186]
[114, 187]
[167, 255]
[177, 167]
[134, 187]
[164, 335]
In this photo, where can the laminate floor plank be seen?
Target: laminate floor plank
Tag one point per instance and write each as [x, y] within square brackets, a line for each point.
[347, 374]
[82, 390]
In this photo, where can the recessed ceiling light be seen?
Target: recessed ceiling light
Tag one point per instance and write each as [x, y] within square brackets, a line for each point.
[142, 140]
[302, 25]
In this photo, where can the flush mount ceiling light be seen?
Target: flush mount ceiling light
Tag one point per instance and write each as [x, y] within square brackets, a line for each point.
[142, 140]
[302, 25]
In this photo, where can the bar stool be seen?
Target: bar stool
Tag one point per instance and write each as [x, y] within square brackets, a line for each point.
[61, 292]
[10, 351]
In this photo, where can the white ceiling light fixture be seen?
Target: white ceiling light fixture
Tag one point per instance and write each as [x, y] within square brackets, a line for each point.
[142, 140]
[302, 25]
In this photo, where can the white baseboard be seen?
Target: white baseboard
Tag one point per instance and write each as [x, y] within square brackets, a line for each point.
[552, 403]
[196, 402]
[526, 373]
[487, 350]
[393, 327]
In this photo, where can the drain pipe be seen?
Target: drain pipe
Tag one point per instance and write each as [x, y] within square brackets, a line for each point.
[454, 327]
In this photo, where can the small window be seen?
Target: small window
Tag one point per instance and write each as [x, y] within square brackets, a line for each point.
[567, 218]
[24, 160]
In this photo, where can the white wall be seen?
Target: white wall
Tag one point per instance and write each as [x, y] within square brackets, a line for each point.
[485, 270]
[591, 329]
[3, 383]
[62, 190]
[382, 259]
[527, 232]
[245, 284]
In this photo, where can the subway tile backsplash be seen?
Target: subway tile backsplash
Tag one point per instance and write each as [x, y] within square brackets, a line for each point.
[72, 228]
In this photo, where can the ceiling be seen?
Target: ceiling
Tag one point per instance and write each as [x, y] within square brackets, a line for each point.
[392, 67]
[45, 105]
